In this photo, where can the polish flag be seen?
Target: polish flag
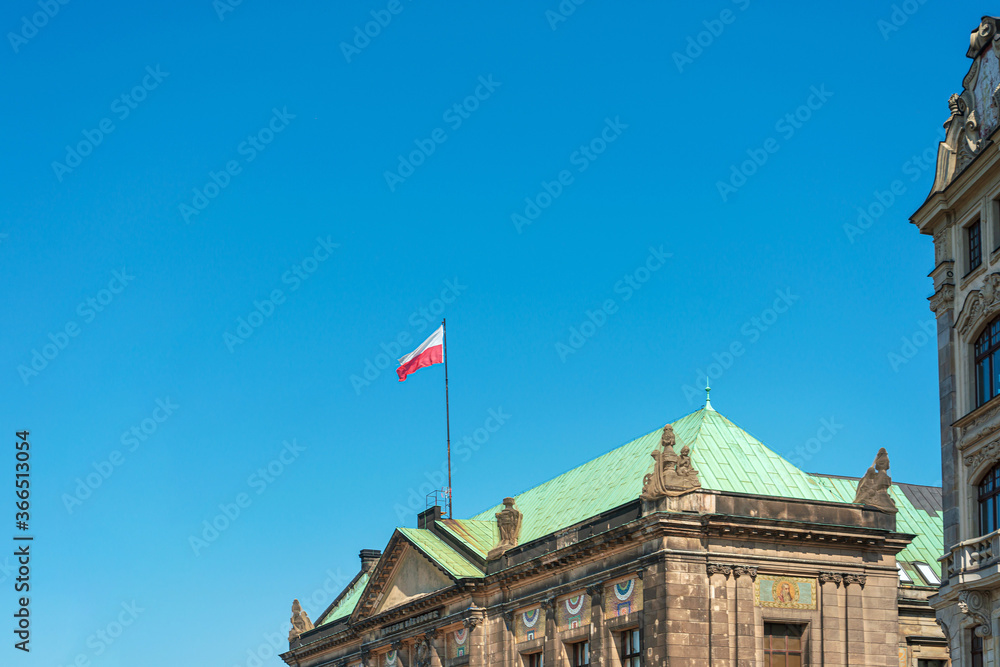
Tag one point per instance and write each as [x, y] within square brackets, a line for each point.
[430, 352]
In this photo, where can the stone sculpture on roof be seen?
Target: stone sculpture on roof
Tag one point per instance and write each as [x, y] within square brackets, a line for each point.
[509, 527]
[672, 474]
[300, 621]
[873, 489]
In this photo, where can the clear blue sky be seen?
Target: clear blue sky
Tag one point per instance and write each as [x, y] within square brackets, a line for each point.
[275, 135]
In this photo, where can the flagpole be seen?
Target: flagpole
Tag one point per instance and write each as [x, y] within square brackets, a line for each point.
[447, 416]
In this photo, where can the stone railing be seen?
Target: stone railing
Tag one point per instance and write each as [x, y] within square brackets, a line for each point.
[972, 555]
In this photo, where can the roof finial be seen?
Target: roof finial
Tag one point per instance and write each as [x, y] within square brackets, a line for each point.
[708, 398]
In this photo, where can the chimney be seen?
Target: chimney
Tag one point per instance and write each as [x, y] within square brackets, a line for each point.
[427, 518]
[369, 559]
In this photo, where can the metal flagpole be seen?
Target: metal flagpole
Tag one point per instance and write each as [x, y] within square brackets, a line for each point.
[447, 417]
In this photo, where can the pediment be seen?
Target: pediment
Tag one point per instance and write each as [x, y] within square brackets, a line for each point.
[403, 574]
[980, 305]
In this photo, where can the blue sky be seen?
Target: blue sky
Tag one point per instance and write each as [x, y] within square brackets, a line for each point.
[173, 169]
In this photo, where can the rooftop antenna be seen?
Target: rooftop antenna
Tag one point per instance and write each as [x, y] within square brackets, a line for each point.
[708, 398]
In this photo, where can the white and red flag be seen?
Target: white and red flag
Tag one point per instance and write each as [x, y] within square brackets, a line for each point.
[430, 352]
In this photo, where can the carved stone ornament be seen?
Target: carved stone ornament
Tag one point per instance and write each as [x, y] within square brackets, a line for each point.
[550, 608]
[742, 570]
[961, 142]
[942, 245]
[423, 653]
[858, 579]
[980, 305]
[300, 621]
[873, 489]
[831, 578]
[672, 475]
[975, 604]
[509, 526]
[508, 620]
[982, 36]
[943, 299]
[596, 593]
[715, 568]
[990, 452]
[471, 622]
[944, 629]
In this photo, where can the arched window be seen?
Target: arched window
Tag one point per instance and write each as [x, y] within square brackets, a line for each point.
[987, 352]
[989, 501]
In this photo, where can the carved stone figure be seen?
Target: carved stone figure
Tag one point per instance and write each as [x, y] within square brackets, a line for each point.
[873, 489]
[509, 526]
[423, 653]
[300, 621]
[672, 474]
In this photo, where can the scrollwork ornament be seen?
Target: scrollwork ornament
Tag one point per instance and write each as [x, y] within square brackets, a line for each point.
[858, 579]
[744, 570]
[715, 568]
[831, 578]
[990, 452]
[974, 603]
[471, 622]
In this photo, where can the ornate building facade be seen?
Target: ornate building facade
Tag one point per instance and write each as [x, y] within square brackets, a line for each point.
[692, 545]
[962, 214]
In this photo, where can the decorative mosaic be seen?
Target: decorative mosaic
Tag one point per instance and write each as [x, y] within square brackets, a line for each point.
[530, 624]
[785, 592]
[458, 643]
[573, 612]
[623, 598]
[392, 659]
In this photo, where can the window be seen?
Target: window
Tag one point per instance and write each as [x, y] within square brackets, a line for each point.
[782, 645]
[930, 663]
[631, 649]
[987, 356]
[929, 575]
[989, 495]
[975, 244]
[976, 650]
[535, 660]
[904, 578]
[581, 654]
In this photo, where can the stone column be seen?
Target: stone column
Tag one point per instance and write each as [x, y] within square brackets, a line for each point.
[831, 635]
[721, 652]
[654, 614]
[686, 612]
[509, 640]
[598, 632]
[551, 646]
[477, 644]
[856, 647]
[746, 628]
[435, 641]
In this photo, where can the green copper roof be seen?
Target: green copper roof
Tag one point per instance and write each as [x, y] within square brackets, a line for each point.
[481, 536]
[925, 521]
[727, 459]
[347, 603]
[437, 550]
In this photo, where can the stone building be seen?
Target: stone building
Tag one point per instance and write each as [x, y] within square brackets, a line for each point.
[692, 545]
[962, 214]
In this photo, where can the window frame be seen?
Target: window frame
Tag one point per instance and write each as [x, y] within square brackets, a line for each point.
[578, 647]
[974, 245]
[986, 363]
[536, 659]
[630, 651]
[975, 649]
[784, 651]
[988, 501]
